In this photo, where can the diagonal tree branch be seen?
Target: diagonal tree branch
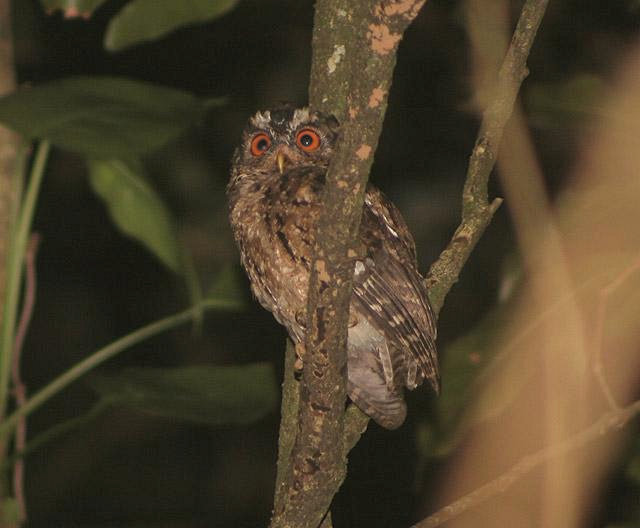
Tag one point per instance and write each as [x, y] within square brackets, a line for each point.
[477, 212]
[609, 422]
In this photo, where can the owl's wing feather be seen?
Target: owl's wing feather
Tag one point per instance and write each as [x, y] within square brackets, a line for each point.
[389, 289]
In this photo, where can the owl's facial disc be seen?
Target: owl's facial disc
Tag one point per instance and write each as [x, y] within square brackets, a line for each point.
[285, 138]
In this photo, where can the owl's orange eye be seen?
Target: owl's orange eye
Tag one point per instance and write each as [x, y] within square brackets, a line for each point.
[308, 140]
[260, 144]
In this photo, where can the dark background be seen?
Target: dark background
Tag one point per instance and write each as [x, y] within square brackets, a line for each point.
[129, 469]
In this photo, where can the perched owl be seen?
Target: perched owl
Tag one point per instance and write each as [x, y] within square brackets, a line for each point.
[275, 190]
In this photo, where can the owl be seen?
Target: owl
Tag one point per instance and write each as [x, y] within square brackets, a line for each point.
[275, 198]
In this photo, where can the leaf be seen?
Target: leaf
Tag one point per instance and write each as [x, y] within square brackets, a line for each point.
[102, 117]
[462, 364]
[11, 512]
[228, 285]
[135, 207]
[72, 8]
[633, 467]
[205, 394]
[144, 20]
[559, 104]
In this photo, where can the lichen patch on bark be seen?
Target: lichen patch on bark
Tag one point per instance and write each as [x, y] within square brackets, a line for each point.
[408, 8]
[376, 97]
[363, 152]
[382, 39]
[332, 62]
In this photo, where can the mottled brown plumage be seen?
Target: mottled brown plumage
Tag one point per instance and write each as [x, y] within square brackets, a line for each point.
[277, 176]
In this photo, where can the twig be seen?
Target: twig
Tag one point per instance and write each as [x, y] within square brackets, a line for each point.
[20, 238]
[20, 390]
[288, 425]
[56, 432]
[476, 209]
[105, 353]
[603, 300]
[608, 422]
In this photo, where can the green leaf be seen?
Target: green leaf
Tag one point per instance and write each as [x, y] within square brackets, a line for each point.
[560, 104]
[205, 394]
[228, 284]
[462, 364]
[73, 8]
[102, 117]
[135, 208]
[633, 467]
[144, 20]
[11, 512]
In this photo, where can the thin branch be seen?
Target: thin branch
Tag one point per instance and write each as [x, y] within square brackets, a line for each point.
[608, 422]
[15, 261]
[19, 388]
[56, 432]
[105, 353]
[27, 305]
[288, 425]
[476, 209]
[603, 300]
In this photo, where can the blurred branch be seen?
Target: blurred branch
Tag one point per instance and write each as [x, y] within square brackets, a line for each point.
[15, 260]
[354, 54]
[608, 422]
[9, 141]
[477, 212]
[56, 432]
[19, 388]
[105, 353]
[603, 301]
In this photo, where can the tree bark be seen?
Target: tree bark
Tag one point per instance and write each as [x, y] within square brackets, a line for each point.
[354, 54]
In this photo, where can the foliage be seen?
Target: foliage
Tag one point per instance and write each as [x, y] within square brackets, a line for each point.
[144, 20]
[102, 117]
[202, 394]
[136, 208]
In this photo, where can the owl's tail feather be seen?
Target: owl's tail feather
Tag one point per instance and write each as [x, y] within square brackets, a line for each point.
[375, 400]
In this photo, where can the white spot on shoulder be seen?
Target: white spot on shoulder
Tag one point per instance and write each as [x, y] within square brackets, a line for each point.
[359, 267]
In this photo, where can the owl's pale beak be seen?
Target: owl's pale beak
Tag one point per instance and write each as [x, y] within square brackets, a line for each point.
[280, 161]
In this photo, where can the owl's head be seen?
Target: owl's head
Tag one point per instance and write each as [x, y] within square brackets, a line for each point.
[285, 137]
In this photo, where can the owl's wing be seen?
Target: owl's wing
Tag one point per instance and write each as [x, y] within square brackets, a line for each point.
[389, 289]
